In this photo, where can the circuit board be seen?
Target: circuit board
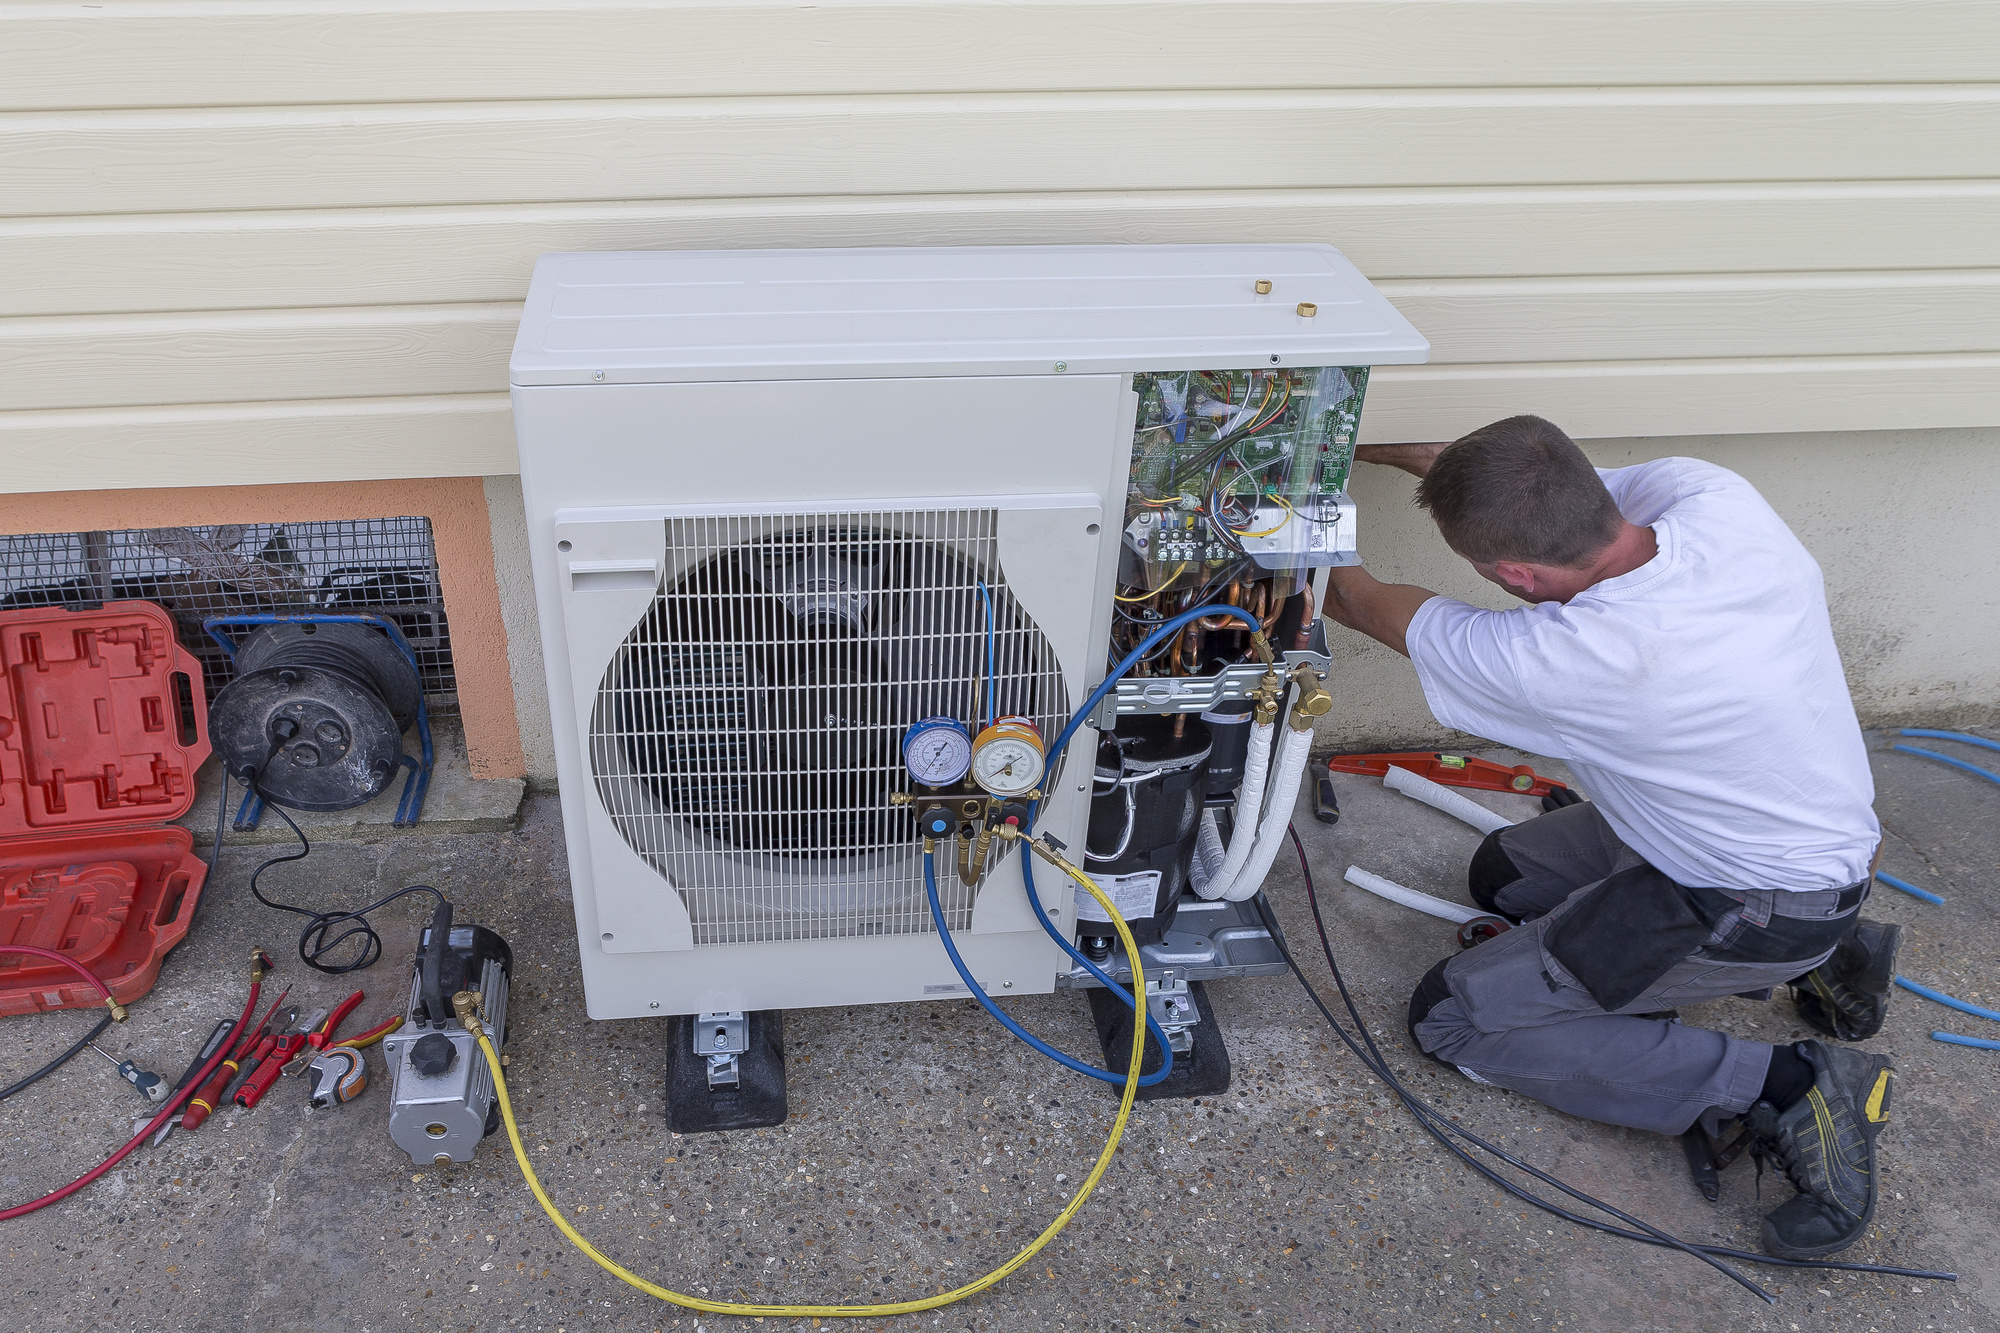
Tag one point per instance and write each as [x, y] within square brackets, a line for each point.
[1242, 466]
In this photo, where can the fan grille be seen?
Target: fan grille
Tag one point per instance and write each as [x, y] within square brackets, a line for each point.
[747, 735]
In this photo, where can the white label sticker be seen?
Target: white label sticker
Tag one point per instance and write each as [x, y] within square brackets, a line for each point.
[1134, 895]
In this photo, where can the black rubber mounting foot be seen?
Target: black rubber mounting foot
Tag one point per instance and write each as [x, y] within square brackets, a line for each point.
[755, 1101]
[1201, 1072]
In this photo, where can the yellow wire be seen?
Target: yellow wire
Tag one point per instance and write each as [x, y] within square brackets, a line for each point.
[896, 1307]
[1273, 528]
[1162, 588]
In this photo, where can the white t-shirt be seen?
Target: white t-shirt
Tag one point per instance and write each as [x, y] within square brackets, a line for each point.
[1698, 699]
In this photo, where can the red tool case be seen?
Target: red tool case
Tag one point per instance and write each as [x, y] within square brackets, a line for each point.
[103, 722]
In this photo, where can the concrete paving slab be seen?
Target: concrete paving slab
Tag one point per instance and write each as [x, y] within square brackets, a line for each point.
[926, 1146]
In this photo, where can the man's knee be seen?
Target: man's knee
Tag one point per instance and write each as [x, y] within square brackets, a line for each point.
[1491, 870]
[1430, 993]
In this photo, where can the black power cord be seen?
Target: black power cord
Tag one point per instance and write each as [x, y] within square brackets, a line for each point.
[57, 1063]
[314, 946]
[1443, 1129]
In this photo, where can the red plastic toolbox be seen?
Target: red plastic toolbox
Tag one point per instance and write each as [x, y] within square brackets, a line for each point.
[103, 722]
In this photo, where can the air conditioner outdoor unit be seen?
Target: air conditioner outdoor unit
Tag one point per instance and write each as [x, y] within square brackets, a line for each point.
[771, 497]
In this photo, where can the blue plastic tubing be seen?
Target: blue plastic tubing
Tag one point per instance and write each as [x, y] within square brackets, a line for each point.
[1910, 889]
[1953, 736]
[1973, 769]
[1946, 1000]
[1166, 628]
[979, 994]
[1956, 1040]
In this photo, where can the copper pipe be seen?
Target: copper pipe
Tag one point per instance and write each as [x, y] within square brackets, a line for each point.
[1300, 639]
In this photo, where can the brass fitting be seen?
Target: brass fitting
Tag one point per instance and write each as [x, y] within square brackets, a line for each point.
[466, 1004]
[1262, 647]
[899, 798]
[1313, 701]
[260, 963]
[117, 1009]
[1267, 694]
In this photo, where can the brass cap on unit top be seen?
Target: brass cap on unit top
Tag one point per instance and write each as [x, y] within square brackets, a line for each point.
[1263, 286]
[1308, 309]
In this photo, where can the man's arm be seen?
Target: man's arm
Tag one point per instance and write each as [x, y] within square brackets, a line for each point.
[1415, 459]
[1382, 611]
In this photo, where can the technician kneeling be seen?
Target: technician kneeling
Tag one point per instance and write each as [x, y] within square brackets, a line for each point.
[1676, 654]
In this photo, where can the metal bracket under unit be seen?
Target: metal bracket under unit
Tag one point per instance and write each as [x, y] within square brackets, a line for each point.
[1195, 694]
[1171, 1003]
[721, 1038]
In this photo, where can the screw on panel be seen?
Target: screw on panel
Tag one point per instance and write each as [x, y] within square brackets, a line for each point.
[597, 375]
[1061, 366]
[1274, 358]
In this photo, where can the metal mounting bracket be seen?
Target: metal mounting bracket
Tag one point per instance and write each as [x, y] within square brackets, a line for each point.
[721, 1038]
[1196, 694]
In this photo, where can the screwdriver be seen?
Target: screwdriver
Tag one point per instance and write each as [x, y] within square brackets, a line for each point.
[150, 1085]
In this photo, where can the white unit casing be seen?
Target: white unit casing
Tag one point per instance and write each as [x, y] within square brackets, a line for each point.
[719, 447]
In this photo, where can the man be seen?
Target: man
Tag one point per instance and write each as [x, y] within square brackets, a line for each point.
[1675, 652]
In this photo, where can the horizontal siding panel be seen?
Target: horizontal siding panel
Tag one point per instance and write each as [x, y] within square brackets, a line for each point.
[173, 54]
[1682, 318]
[161, 161]
[399, 351]
[1618, 400]
[257, 444]
[252, 357]
[472, 435]
[262, 260]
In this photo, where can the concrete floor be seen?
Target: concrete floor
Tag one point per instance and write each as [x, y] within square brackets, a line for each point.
[925, 1145]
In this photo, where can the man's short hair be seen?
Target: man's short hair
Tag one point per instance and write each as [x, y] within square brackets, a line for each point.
[1521, 490]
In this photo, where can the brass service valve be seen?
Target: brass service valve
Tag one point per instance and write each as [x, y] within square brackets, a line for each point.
[1313, 701]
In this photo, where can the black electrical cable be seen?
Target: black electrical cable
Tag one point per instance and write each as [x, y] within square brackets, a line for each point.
[1442, 1128]
[57, 1063]
[313, 942]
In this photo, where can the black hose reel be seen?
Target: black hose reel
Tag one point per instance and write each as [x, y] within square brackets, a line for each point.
[315, 716]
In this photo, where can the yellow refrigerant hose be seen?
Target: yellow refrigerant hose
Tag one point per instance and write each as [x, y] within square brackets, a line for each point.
[467, 1005]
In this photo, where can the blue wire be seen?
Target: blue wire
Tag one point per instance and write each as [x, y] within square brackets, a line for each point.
[987, 598]
[1910, 889]
[979, 994]
[1953, 736]
[1946, 1000]
[1973, 769]
[1956, 1040]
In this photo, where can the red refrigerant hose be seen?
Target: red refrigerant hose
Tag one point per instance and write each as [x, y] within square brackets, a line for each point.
[260, 962]
[117, 1009]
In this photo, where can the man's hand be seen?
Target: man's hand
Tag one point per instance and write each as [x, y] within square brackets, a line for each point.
[1415, 459]
[1382, 611]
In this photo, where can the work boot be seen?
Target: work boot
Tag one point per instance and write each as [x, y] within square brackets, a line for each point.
[1825, 1141]
[1847, 996]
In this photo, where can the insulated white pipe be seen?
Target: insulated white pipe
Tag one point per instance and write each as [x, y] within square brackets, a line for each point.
[1209, 853]
[1445, 799]
[1271, 830]
[1396, 893]
[1256, 767]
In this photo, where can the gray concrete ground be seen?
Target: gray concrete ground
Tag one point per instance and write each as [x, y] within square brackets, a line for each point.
[926, 1146]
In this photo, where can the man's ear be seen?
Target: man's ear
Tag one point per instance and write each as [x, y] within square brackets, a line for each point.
[1517, 575]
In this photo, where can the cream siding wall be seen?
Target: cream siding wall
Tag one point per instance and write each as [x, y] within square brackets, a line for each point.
[244, 241]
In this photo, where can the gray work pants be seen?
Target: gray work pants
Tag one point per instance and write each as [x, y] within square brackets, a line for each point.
[1516, 1018]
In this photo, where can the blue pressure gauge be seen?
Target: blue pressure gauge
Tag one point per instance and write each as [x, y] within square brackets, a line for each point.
[937, 751]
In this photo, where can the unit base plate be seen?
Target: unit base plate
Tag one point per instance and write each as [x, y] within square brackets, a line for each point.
[1209, 941]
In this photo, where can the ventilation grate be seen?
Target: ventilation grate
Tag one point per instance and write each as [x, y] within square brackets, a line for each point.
[383, 566]
[747, 736]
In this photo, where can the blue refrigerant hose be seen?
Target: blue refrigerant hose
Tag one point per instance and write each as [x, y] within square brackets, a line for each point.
[979, 994]
[1949, 1002]
[1166, 628]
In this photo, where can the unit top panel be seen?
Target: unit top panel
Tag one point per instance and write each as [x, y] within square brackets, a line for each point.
[638, 317]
